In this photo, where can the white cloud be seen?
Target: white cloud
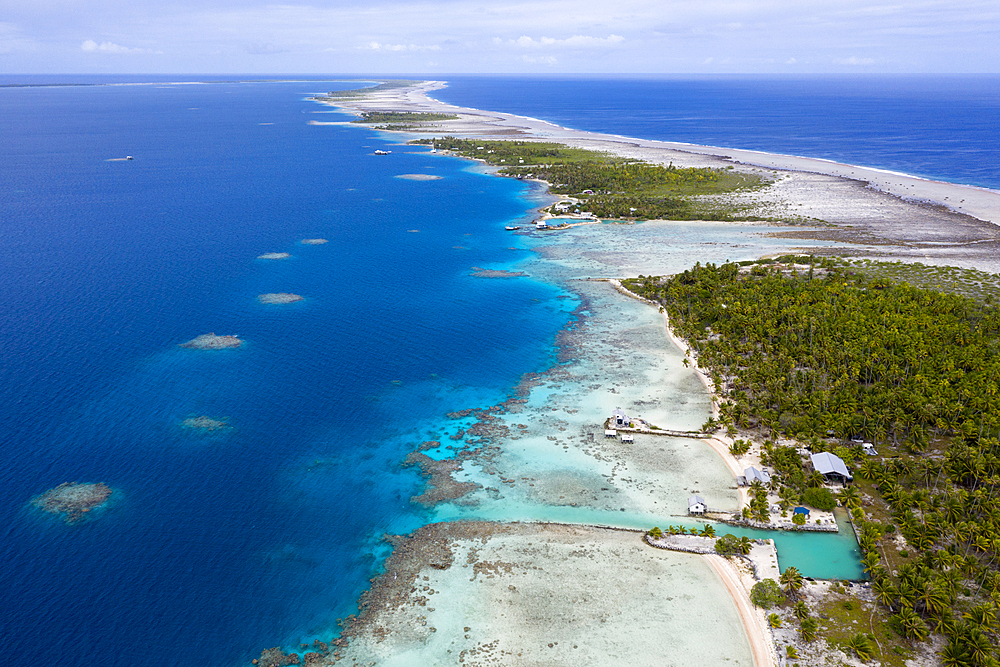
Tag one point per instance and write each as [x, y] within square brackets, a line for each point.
[854, 61]
[265, 49]
[376, 46]
[576, 41]
[540, 60]
[470, 36]
[111, 47]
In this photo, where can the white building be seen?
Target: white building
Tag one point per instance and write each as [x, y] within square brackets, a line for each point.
[832, 467]
[696, 505]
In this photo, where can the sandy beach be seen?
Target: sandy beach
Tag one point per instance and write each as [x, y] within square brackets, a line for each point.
[540, 456]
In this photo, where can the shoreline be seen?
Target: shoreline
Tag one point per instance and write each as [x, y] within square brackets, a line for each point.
[724, 572]
[971, 217]
[981, 204]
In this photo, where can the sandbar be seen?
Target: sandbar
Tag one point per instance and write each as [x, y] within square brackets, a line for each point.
[313, 241]
[211, 341]
[278, 298]
[274, 255]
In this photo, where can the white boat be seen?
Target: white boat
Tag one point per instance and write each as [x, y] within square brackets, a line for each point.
[512, 229]
[381, 152]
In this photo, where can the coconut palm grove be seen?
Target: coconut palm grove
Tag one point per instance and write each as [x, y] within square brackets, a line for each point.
[831, 354]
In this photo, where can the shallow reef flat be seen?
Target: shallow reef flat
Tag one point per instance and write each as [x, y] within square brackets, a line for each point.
[543, 455]
[542, 594]
[420, 177]
[278, 298]
[313, 241]
[203, 423]
[211, 341]
[73, 500]
[478, 272]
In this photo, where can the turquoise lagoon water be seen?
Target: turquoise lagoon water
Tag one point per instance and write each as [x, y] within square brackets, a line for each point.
[218, 544]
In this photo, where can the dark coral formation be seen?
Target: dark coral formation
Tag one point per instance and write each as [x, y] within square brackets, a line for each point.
[204, 423]
[441, 486]
[275, 657]
[73, 499]
[210, 341]
[478, 272]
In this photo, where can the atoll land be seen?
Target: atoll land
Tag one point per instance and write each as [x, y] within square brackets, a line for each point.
[73, 500]
[861, 324]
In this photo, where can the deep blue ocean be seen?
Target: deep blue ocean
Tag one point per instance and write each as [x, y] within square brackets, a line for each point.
[945, 128]
[218, 544]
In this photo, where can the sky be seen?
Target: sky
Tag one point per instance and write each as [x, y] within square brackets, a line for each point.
[499, 36]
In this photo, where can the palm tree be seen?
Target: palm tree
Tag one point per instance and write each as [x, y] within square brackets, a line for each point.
[945, 623]
[885, 592]
[913, 626]
[745, 545]
[801, 610]
[979, 646]
[954, 655]
[808, 628]
[934, 597]
[849, 495]
[791, 579]
[708, 530]
[982, 615]
[871, 561]
[862, 645]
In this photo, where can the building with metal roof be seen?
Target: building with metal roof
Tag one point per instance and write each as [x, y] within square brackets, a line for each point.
[831, 466]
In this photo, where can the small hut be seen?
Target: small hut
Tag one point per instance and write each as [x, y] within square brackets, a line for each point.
[751, 475]
[696, 505]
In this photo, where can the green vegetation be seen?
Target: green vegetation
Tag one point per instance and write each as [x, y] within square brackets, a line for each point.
[706, 531]
[739, 447]
[362, 91]
[766, 593]
[827, 352]
[401, 117]
[820, 498]
[730, 545]
[979, 285]
[792, 582]
[611, 187]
